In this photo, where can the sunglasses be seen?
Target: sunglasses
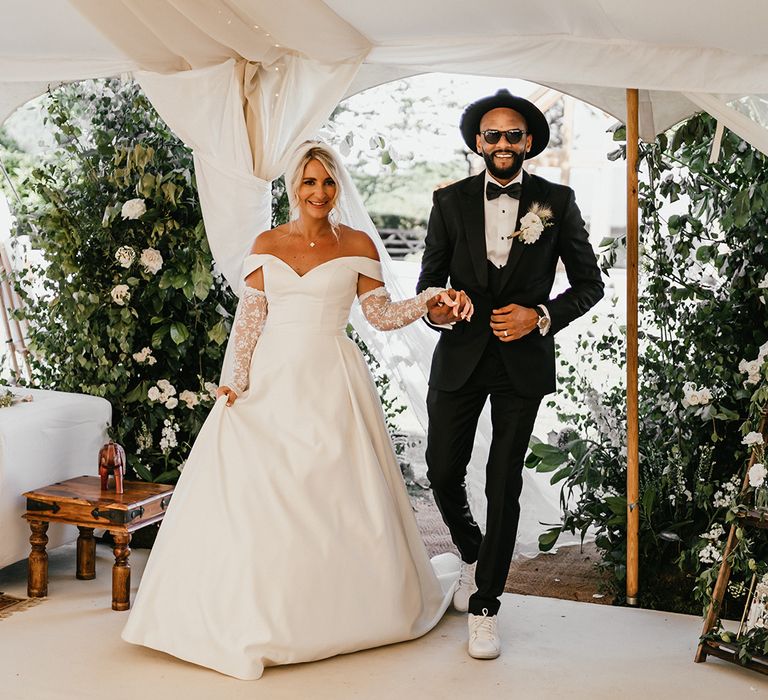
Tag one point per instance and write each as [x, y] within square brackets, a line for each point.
[513, 136]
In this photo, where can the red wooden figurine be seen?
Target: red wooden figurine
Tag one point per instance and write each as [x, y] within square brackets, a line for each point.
[112, 461]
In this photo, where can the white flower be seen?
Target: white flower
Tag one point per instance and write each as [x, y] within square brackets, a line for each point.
[151, 260]
[533, 223]
[153, 394]
[133, 209]
[531, 228]
[125, 256]
[762, 352]
[120, 294]
[172, 402]
[166, 387]
[763, 284]
[145, 355]
[715, 532]
[727, 493]
[211, 388]
[189, 398]
[752, 369]
[695, 397]
[757, 473]
[710, 555]
[752, 438]
[169, 436]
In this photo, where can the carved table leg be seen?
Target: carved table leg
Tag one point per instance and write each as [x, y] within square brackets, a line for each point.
[37, 576]
[121, 572]
[86, 554]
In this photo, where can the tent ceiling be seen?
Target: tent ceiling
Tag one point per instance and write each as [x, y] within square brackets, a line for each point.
[591, 49]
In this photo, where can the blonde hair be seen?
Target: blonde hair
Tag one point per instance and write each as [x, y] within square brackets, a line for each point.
[327, 158]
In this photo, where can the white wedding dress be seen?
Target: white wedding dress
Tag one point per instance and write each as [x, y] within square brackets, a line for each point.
[290, 536]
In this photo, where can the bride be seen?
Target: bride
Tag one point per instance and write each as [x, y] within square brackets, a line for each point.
[290, 536]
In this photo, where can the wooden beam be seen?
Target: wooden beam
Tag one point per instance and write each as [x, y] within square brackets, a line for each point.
[633, 447]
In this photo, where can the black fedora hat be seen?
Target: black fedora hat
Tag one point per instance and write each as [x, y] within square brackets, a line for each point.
[538, 127]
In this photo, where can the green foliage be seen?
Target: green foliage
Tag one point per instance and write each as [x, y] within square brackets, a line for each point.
[702, 311]
[112, 147]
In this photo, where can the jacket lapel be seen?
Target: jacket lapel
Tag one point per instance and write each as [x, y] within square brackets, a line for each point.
[473, 214]
[529, 194]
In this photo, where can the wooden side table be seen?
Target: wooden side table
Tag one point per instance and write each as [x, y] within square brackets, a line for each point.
[81, 502]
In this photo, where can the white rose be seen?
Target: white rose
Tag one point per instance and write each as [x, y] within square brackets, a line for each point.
[211, 388]
[764, 283]
[143, 355]
[530, 235]
[133, 209]
[171, 403]
[166, 386]
[757, 473]
[151, 260]
[120, 294]
[125, 256]
[189, 398]
[530, 220]
[693, 398]
[752, 438]
[705, 396]
[762, 352]
[151, 360]
[153, 394]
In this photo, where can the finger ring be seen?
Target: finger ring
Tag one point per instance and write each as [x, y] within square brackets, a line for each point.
[505, 334]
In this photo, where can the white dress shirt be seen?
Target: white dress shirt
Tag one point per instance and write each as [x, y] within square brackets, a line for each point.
[500, 220]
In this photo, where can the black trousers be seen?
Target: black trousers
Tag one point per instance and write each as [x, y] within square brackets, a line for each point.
[453, 417]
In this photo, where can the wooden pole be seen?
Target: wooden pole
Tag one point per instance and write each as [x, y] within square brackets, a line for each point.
[633, 443]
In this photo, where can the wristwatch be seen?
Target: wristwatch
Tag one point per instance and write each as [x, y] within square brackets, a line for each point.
[544, 321]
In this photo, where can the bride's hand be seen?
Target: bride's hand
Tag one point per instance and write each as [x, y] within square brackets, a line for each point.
[450, 305]
[229, 393]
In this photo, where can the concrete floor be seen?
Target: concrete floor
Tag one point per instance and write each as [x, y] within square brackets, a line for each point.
[69, 647]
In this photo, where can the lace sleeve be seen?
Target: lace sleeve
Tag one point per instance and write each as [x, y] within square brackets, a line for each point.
[246, 329]
[387, 315]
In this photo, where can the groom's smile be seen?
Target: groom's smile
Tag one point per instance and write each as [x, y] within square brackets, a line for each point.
[503, 157]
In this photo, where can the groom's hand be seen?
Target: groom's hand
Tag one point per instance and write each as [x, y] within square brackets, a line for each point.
[512, 322]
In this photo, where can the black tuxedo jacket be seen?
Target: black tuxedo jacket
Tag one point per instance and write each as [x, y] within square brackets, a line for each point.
[455, 250]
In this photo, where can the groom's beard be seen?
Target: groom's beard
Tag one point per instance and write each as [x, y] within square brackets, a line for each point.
[504, 173]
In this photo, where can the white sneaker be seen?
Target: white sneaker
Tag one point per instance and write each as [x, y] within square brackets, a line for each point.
[484, 639]
[466, 587]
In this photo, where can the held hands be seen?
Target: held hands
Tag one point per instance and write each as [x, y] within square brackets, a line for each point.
[512, 322]
[229, 393]
[450, 306]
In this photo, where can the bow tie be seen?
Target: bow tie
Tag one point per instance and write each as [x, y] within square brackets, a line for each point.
[493, 191]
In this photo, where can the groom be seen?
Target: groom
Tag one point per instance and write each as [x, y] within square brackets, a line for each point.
[498, 236]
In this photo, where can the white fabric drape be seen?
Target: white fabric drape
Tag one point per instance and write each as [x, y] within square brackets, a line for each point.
[750, 130]
[242, 121]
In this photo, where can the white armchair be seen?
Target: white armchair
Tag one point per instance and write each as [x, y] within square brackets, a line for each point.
[55, 437]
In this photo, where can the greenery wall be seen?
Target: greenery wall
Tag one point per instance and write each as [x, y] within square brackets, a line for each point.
[703, 345]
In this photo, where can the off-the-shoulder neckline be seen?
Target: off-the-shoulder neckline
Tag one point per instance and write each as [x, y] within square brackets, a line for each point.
[311, 269]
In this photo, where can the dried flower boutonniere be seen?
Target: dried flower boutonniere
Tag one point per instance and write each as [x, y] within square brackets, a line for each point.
[532, 225]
